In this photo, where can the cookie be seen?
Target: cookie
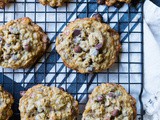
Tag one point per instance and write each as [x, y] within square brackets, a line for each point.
[110, 102]
[21, 43]
[47, 103]
[53, 3]
[6, 101]
[88, 45]
[3, 3]
[116, 3]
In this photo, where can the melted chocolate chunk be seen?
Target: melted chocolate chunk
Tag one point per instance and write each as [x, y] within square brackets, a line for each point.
[100, 98]
[112, 95]
[115, 113]
[76, 32]
[77, 49]
[98, 17]
[27, 47]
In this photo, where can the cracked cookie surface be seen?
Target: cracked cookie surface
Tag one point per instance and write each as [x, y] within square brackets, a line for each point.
[53, 3]
[110, 102]
[6, 101]
[21, 43]
[88, 45]
[47, 103]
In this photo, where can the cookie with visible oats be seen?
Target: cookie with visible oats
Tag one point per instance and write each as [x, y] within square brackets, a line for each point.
[21, 43]
[47, 103]
[6, 101]
[116, 3]
[87, 45]
[110, 102]
[53, 3]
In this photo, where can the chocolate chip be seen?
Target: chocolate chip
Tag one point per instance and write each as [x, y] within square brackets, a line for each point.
[27, 47]
[115, 113]
[76, 32]
[99, 46]
[98, 17]
[61, 88]
[100, 98]
[119, 4]
[22, 93]
[101, 2]
[77, 49]
[112, 95]
[2, 4]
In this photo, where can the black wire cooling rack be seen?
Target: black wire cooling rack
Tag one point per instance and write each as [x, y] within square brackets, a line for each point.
[49, 70]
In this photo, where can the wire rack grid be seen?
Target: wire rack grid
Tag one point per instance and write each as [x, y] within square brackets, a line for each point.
[50, 70]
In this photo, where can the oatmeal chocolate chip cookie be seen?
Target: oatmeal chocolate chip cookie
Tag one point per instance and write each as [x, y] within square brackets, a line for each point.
[88, 45]
[53, 3]
[21, 43]
[116, 3]
[47, 103]
[110, 102]
[6, 101]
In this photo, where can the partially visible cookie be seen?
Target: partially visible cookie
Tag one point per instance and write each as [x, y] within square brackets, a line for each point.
[6, 101]
[47, 103]
[3, 3]
[88, 45]
[110, 102]
[117, 3]
[53, 3]
[21, 43]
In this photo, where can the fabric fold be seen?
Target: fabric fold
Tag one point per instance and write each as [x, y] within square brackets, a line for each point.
[151, 61]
